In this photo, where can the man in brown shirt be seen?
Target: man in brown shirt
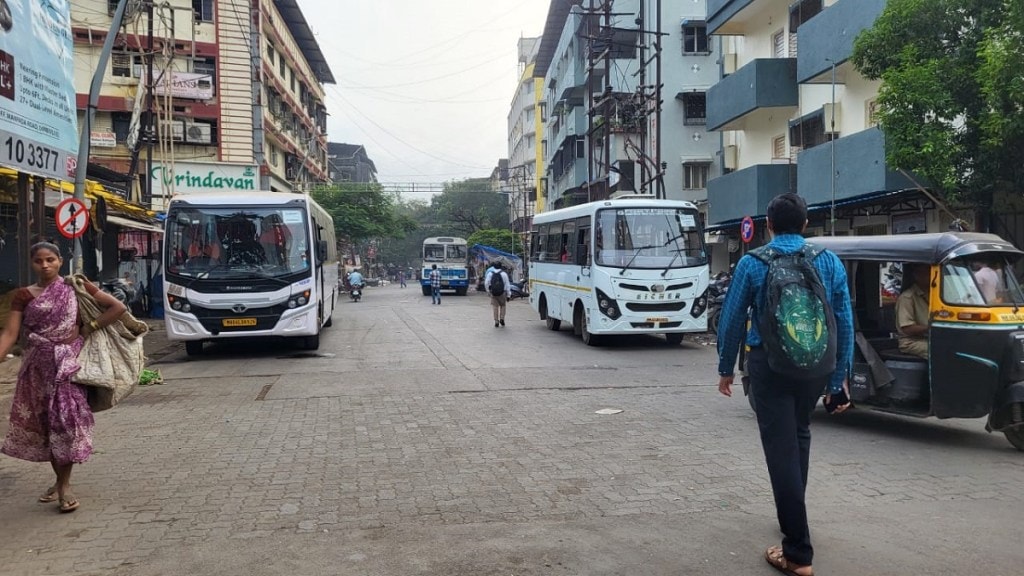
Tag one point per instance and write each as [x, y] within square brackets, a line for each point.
[912, 316]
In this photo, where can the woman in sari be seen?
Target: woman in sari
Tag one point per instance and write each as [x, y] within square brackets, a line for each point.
[50, 416]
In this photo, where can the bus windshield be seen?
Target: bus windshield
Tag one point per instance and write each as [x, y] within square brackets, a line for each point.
[456, 253]
[237, 242]
[648, 238]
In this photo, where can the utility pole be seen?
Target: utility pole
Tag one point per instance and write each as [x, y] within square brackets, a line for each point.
[150, 128]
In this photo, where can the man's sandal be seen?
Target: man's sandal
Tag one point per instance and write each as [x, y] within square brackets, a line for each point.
[774, 556]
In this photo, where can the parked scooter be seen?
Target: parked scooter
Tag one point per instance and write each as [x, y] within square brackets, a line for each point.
[518, 290]
[119, 288]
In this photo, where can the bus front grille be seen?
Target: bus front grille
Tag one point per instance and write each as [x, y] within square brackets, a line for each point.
[655, 307]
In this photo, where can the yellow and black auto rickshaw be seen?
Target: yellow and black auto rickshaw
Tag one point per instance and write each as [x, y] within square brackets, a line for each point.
[974, 363]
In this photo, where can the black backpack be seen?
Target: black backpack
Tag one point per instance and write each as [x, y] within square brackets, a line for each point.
[497, 283]
[796, 323]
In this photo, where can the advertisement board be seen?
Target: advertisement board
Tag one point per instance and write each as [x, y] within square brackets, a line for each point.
[38, 118]
[202, 177]
[185, 85]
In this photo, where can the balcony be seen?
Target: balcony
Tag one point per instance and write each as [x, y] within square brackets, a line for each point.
[733, 17]
[747, 192]
[829, 37]
[764, 83]
[860, 167]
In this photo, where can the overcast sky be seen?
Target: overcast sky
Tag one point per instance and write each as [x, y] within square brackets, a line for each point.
[426, 86]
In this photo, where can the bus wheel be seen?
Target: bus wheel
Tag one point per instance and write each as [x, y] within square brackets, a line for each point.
[194, 347]
[311, 342]
[330, 321]
[550, 322]
[588, 338]
[1016, 437]
[674, 339]
[426, 290]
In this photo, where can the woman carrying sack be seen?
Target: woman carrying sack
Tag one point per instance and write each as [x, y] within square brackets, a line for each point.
[50, 416]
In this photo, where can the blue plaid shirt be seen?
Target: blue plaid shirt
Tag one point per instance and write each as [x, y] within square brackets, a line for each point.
[745, 292]
[435, 278]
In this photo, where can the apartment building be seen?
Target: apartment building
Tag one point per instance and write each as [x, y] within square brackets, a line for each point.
[215, 114]
[796, 116]
[521, 177]
[350, 163]
[601, 136]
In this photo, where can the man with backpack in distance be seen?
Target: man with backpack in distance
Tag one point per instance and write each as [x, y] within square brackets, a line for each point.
[499, 287]
[801, 344]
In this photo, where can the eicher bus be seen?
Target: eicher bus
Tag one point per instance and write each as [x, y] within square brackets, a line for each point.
[451, 256]
[622, 266]
[248, 264]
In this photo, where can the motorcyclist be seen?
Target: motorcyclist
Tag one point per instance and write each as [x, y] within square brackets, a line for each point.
[355, 279]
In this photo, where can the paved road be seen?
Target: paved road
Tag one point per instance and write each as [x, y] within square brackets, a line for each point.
[421, 440]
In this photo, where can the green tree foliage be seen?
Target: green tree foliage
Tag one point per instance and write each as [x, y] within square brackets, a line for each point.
[500, 238]
[363, 211]
[952, 92]
[470, 205]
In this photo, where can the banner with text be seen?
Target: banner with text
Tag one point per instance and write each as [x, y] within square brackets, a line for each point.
[200, 177]
[38, 118]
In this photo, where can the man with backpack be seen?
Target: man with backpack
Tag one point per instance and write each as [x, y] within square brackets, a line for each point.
[801, 345]
[499, 287]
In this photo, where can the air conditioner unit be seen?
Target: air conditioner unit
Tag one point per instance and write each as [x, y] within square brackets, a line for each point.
[829, 108]
[729, 157]
[176, 129]
[198, 133]
[728, 63]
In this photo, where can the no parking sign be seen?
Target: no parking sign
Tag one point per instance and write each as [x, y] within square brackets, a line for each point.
[72, 218]
[747, 229]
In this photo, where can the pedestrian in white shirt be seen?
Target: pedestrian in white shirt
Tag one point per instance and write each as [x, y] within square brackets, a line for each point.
[499, 287]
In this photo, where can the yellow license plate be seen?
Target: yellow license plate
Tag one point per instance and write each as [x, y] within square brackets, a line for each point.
[235, 322]
[657, 319]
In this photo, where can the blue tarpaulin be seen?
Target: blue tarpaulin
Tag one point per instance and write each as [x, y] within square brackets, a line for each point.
[480, 254]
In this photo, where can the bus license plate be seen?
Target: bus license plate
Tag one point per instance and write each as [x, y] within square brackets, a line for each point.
[657, 320]
[236, 322]
[444, 283]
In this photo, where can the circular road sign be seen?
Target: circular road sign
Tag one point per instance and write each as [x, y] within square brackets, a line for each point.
[747, 229]
[72, 218]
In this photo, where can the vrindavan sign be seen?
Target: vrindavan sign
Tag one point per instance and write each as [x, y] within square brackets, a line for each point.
[199, 177]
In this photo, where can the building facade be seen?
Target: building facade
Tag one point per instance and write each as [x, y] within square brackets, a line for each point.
[796, 116]
[521, 178]
[350, 163]
[213, 109]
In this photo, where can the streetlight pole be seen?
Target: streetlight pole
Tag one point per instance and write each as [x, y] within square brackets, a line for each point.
[832, 146]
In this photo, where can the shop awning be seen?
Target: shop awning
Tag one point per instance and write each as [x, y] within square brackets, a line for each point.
[137, 225]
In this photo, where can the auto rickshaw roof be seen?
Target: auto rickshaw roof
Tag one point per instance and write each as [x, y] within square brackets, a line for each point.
[927, 248]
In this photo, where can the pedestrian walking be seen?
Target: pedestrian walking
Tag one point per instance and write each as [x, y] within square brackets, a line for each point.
[50, 417]
[401, 278]
[435, 285]
[499, 287]
[801, 344]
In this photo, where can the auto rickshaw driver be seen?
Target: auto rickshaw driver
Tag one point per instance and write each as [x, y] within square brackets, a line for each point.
[912, 315]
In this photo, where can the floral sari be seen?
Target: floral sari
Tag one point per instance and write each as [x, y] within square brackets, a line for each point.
[50, 416]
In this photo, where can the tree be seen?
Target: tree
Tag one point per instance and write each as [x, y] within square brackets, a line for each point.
[951, 96]
[470, 205]
[362, 211]
[501, 238]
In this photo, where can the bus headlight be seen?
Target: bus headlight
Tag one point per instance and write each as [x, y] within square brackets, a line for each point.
[699, 305]
[179, 304]
[298, 300]
[607, 305]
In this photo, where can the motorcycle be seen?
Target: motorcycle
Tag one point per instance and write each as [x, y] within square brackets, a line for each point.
[119, 288]
[717, 290]
[357, 292]
[518, 290]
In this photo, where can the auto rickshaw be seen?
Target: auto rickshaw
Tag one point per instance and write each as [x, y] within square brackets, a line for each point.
[975, 363]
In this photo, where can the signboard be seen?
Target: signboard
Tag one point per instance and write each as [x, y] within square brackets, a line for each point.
[72, 218]
[203, 177]
[38, 117]
[185, 85]
[102, 139]
[747, 229]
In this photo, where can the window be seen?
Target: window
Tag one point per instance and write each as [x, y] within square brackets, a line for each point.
[282, 68]
[779, 146]
[779, 44]
[291, 74]
[871, 113]
[695, 39]
[270, 54]
[695, 175]
[274, 156]
[809, 131]
[695, 110]
[203, 10]
[120, 123]
[802, 11]
[206, 66]
[126, 64]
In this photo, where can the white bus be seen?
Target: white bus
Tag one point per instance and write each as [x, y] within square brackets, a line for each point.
[450, 253]
[248, 264]
[623, 266]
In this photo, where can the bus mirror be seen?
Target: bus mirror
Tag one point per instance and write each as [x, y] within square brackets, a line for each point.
[321, 250]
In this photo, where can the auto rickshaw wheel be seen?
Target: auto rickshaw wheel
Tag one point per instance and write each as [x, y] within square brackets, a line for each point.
[1016, 437]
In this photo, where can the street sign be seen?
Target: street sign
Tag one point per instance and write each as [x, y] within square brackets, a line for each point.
[747, 229]
[72, 218]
